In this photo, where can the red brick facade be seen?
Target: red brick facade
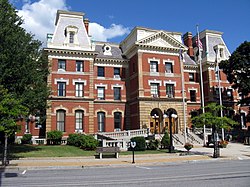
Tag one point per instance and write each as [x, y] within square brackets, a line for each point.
[129, 85]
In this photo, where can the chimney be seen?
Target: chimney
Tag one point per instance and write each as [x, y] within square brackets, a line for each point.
[86, 23]
[187, 38]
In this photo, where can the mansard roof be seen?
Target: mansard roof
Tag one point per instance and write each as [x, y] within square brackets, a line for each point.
[115, 51]
[187, 60]
[209, 39]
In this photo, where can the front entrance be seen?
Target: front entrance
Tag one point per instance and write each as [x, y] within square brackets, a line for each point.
[159, 124]
[155, 126]
[167, 125]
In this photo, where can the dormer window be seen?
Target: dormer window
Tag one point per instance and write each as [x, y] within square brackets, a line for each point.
[70, 33]
[106, 50]
[71, 37]
[221, 53]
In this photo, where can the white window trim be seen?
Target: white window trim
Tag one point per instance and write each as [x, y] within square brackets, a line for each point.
[61, 80]
[74, 30]
[79, 81]
[193, 89]
[117, 110]
[168, 61]
[189, 71]
[101, 85]
[116, 86]
[154, 59]
[169, 82]
[155, 81]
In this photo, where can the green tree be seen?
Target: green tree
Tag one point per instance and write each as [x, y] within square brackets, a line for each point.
[23, 68]
[211, 118]
[10, 110]
[237, 69]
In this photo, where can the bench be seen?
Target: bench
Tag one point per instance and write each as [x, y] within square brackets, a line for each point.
[102, 150]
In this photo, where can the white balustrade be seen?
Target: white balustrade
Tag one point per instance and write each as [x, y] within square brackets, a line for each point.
[129, 133]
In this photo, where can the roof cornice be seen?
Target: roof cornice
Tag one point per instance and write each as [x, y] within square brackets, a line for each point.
[110, 60]
[70, 52]
[161, 48]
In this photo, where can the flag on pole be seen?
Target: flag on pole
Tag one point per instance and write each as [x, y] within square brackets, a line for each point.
[198, 43]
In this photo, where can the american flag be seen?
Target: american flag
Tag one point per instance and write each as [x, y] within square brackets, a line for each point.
[198, 43]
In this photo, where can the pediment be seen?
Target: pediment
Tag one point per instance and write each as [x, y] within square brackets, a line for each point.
[161, 39]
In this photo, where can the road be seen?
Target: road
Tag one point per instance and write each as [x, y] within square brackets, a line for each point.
[228, 173]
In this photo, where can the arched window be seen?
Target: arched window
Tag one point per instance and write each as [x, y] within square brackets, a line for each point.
[79, 120]
[117, 120]
[60, 120]
[101, 121]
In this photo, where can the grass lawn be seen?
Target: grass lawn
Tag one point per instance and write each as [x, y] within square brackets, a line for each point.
[24, 151]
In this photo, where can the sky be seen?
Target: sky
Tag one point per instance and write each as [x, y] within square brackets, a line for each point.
[112, 20]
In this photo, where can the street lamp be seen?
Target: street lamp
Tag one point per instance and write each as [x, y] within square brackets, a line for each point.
[170, 114]
[155, 117]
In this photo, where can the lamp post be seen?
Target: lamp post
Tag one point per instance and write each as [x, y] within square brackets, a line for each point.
[155, 117]
[216, 143]
[170, 114]
[217, 74]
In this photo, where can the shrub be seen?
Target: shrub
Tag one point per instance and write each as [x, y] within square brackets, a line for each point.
[86, 142]
[188, 146]
[165, 141]
[74, 139]
[54, 137]
[153, 144]
[26, 139]
[140, 143]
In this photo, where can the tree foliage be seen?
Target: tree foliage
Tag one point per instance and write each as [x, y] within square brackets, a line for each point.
[10, 110]
[237, 69]
[23, 69]
[210, 118]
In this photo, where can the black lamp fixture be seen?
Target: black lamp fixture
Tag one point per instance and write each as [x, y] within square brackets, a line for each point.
[170, 113]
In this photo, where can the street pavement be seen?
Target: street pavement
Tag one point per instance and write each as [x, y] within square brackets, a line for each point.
[234, 151]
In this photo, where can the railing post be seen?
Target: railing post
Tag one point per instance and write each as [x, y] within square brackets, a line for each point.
[128, 133]
[104, 143]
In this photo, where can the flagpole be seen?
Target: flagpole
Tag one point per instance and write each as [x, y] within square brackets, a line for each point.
[201, 83]
[183, 95]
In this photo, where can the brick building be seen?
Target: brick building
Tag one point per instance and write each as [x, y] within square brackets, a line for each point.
[106, 87]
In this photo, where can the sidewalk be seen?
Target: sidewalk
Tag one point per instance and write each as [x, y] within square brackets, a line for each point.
[233, 151]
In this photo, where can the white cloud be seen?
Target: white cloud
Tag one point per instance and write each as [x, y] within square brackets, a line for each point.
[100, 33]
[39, 19]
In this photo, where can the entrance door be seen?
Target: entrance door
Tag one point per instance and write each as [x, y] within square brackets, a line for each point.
[174, 125]
[155, 126]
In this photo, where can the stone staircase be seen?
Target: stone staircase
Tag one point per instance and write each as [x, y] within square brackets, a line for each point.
[179, 139]
[122, 138]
